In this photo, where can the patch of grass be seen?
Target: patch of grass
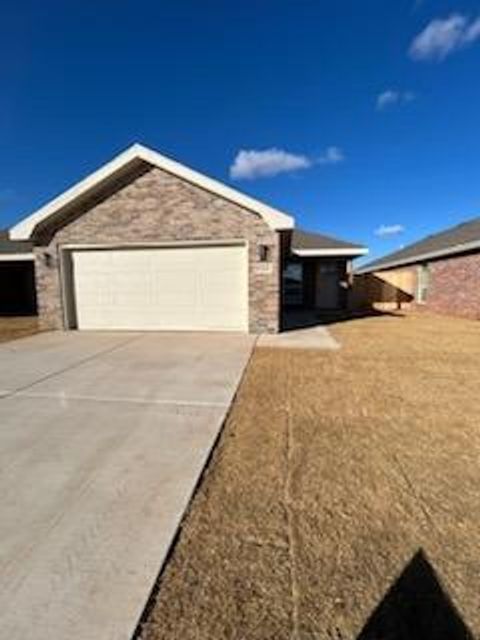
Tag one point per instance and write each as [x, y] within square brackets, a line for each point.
[334, 471]
[17, 327]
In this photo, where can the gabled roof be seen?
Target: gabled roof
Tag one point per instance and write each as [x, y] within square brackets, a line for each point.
[464, 237]
[14, 250]
[305, 244]
[274, 218]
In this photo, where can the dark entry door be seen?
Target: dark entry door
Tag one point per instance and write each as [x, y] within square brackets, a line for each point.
[327, 291]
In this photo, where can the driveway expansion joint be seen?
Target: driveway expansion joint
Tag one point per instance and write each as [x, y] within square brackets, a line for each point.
[71, 367]
[90, 398]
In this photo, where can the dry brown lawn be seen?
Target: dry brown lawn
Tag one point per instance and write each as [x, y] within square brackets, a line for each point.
[345, 488]
[13, 328]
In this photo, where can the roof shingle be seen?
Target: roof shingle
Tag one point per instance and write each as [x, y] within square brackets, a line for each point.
[447, 242]
[306, 240]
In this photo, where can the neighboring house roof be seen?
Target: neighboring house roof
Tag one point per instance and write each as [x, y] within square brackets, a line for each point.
[306, 244]
[11, 250]
[464, 237]
[24, 229]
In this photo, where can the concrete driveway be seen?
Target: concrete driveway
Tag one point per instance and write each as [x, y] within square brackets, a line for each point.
[103, 437]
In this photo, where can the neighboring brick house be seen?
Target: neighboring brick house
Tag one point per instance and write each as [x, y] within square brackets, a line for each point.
[440, 273]
[147, 243]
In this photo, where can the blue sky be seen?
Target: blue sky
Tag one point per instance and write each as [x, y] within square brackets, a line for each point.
[354, 116]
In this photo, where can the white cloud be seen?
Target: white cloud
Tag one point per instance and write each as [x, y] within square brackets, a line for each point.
[473, 32]
[389, 230]
[387, 98]
[251, 164]
[262, 163]
[332, 155]
[392, 96]
[441, 37]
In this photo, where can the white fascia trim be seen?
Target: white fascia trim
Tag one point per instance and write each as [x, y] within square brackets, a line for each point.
[422, 257]
[312, 253]
[277, 220]
[16, 257]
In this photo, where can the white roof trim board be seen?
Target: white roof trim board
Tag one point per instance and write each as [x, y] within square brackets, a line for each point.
[422, 257]
[275, 219]
[16, 257]
[343, 251]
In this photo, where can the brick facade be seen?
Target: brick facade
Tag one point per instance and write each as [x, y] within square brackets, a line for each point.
[152, 206]
[455, 286]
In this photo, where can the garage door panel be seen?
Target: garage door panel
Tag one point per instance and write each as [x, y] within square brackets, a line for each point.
[166, 288]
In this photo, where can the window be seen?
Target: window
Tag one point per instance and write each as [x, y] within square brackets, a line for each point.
[327, 267]
[293, 284]
[423, 281]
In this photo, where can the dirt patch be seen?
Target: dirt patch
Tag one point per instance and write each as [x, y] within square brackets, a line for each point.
[18, 327]
[343, 500]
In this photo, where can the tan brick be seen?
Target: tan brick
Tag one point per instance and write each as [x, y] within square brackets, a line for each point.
[151, 206]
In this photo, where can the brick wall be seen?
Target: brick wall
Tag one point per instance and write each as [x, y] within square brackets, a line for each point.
[455, 286]
[151, 205]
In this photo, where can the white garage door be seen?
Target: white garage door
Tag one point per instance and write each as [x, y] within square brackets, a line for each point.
[189, 288]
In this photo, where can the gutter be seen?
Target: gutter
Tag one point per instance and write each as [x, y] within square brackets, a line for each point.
[15, 257]
[314, 253]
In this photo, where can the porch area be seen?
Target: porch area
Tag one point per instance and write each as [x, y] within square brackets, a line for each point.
[313, 288]
[316, 278]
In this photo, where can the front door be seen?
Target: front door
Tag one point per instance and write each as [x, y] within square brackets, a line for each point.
[327, 291]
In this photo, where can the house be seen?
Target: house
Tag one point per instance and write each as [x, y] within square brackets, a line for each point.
[17, 277]
[440, 273]
[147, 243]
